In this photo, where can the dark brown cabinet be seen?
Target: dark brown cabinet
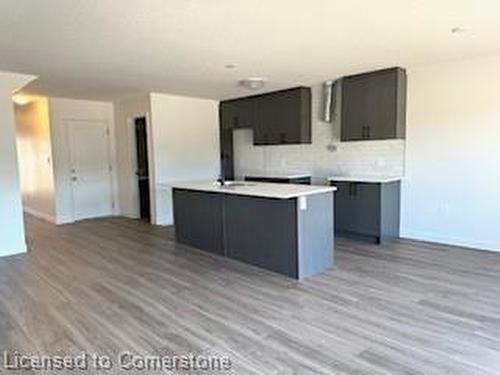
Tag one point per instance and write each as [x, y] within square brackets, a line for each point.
[281, 117]
[238, 114]
[198, 219]
[374, 105]
[368, 210]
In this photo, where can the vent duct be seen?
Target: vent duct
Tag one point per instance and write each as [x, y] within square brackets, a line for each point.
[327, 101]
[329, 95]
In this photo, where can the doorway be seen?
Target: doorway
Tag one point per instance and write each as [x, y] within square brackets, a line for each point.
[91, 179]
[142, 172]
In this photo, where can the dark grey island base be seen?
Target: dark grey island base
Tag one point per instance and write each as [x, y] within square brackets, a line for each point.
[293, 237]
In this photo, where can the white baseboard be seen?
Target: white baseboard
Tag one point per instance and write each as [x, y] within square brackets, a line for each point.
[446, 240]
[129, 216]
[40, 215]
[21, 250]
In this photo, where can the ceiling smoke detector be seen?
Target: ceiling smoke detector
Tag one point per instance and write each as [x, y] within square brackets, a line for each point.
[253, 83]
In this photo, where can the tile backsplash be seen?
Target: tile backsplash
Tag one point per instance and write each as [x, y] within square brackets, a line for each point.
[325, 157]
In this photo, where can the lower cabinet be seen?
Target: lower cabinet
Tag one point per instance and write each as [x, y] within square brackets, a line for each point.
[274, 234]
[198, 219]
[262, 232]
[258, 231]
[368, 210]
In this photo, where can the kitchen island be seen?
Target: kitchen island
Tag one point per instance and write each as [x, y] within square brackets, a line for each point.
[284, 228]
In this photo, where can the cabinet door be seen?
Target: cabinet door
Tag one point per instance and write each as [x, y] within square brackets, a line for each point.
[367, 208]
[374, 105]
[345, 207]
[354, 104]
[244, 113]
[357, 208]
[287, 128]
[198, 219]
[264, 121]
[262, 232]
[283, 117]
[381, 112]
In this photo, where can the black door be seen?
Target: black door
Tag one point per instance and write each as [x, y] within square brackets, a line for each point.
[142, 167]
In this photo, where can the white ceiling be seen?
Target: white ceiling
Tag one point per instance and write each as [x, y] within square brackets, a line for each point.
[106, 49]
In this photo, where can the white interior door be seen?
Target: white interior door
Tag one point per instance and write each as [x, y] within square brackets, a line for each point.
[90, 169]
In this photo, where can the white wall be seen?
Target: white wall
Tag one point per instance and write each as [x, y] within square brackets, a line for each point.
[452, 189]
[185, 135]
[35, 158]
[125, 112]
[12, 239]
[371, 158]
[60, 111]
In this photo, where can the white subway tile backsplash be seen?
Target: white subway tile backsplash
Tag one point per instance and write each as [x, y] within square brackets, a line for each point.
[367, 158]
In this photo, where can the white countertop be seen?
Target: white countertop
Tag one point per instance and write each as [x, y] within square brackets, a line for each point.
[277, 174]
[257, 189]
[367, 179]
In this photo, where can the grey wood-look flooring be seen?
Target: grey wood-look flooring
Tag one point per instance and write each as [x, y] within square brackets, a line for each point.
[109, 285]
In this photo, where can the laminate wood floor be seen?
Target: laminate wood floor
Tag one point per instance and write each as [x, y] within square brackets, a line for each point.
[105, 286]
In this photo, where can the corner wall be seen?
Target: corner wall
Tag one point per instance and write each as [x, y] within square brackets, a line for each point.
[12, 239]
[125, 112]
[35, 158]
[452, 185]
[185, 135]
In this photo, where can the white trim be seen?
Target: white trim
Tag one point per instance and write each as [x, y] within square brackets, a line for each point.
[451, 241]
[39, 214]
[23, 250]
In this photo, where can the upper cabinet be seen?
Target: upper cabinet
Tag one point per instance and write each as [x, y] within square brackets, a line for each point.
[374, 105]
[281, 117]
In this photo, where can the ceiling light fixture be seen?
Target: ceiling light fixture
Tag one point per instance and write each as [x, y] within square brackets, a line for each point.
[253, 83]
[20, 99]
[230, 66]
[458, 30]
